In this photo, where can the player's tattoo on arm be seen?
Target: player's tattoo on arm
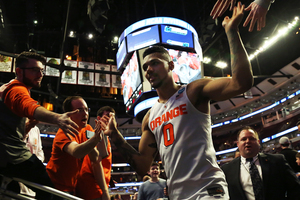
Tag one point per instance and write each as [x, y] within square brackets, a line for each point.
[126, 150]
[153, 145]
[235, 49]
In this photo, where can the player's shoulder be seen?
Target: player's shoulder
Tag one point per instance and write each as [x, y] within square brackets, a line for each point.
[146, 120]
[199, 83]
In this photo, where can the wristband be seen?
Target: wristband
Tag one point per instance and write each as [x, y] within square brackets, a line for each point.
[264, 3]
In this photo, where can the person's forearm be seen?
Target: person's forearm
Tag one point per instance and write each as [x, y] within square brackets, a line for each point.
[126, 150]
[99, 176]
[85, 148]
[240, 64]
[44, 115]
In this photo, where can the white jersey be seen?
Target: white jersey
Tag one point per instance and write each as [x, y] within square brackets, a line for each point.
[183, 137]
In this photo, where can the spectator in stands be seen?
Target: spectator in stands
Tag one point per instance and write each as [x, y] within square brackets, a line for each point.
[154, 187]
[94, 177]
[298, 163]
[64, 164]
[298, 125]
[269, 174]
[135, 196]
[288, 153]
[237, 153]
[146, 178]
[259, 9]
[117, 197]
[16, 105]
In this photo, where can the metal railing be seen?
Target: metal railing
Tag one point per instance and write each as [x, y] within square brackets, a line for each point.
[6, 194]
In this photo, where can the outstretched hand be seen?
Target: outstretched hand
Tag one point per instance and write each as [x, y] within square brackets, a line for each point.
[101, 125]
[67, 125]
[109, 122]
[235, 20]
[257, 14]
[220, 7]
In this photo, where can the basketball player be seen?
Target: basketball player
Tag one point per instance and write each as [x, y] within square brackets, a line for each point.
[178, 126]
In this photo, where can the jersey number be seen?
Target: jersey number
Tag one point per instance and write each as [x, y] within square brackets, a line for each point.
[168, 134]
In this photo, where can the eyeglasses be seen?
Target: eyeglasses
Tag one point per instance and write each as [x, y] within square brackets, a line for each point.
[83, 110]
[36, 70]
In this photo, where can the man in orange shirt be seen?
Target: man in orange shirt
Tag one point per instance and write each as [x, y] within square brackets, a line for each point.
[16, 105]
[94, 178]
[66, 152]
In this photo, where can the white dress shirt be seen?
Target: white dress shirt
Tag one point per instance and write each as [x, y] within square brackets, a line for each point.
[246, 178]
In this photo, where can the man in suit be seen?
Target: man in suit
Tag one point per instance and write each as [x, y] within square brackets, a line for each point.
[276, 177]
[288, 153]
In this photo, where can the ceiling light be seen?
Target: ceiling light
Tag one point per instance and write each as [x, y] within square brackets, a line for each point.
[72, 34]
[275, 38]
[35, 21]
[90, 36]
[221, 64]
[116, 39]
[206, 60]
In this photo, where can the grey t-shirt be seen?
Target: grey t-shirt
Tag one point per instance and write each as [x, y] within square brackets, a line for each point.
[152, 190]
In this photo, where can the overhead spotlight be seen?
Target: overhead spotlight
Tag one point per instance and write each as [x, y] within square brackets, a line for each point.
[35, 21]
[72, 34]
[116, 39]
[90, 36]
[206, 60]
[221, 64]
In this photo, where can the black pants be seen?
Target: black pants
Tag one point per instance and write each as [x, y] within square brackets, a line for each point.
[30, 170]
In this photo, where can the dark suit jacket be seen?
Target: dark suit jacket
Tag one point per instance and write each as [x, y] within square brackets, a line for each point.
[290, 156]
[278, 178]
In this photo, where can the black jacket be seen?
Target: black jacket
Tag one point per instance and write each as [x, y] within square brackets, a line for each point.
[278, 178]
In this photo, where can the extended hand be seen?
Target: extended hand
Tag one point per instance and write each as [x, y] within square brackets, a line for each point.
[257, 14]
[235, 20]
[111, 123]
[220, 7]
[67, 125]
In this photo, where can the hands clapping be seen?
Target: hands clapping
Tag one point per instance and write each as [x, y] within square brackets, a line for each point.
[107, 124]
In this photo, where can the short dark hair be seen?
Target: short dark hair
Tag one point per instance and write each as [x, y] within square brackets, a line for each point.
[154, 164]
[247, 128]
[23, 58]
[285, 145]
[105, 108]
[298, 155]
[156, 49]
[67, 104]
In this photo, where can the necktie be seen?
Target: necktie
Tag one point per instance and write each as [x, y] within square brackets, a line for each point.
[256, 181]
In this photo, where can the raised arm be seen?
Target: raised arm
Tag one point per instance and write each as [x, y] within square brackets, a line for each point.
[62, 120]
[220, 7]
[242, 78]
[139, 160]
[87, 147]
[100, 178]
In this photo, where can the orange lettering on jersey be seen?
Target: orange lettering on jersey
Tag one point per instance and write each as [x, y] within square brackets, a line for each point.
[152, 125]
[157, 122]
[182, 109]
[163, 118]
[176, 112]
[167, 116]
